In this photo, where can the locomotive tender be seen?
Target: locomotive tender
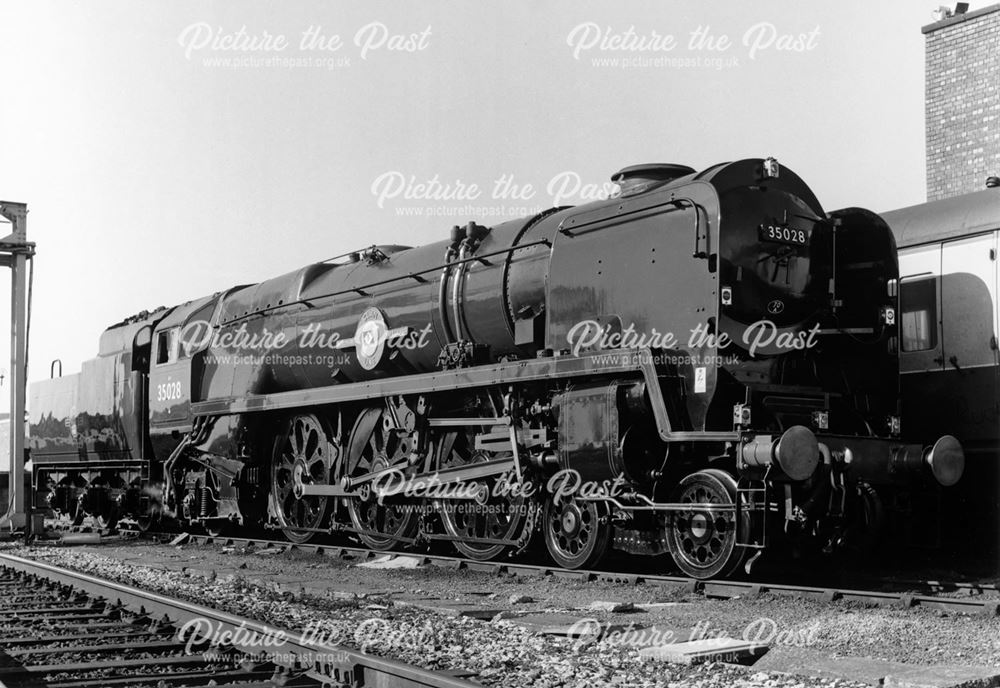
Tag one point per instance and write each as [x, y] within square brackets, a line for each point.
[704, 365]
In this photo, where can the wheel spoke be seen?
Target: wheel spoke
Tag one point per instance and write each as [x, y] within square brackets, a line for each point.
[703, 543]
[311, 443]
[297, 437]
[302, 450]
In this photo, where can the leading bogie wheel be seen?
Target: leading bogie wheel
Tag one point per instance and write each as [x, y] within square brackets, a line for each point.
[702, 542]
[577, 532]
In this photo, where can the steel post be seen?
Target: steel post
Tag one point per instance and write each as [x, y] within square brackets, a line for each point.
[16, 250]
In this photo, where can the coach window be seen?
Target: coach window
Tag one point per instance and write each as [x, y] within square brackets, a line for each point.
[918, 306]
[166, 346]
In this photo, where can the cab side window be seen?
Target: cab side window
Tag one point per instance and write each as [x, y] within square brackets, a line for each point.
[166, 346]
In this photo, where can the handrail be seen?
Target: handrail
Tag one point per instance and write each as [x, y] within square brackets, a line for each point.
[443, 295]
[416, 276]
[676, 202]
[697, 226]
[457, 285]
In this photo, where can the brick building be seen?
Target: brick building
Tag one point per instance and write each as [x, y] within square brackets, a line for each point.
[962, 101]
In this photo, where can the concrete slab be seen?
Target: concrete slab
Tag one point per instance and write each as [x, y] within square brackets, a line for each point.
[798, 660]
[728, 650]
[155, 565]
[450, 608]
[392, 562]
[944, 677]
[567, 625]
[656, 606]
[175, 559]
[281, 583]
[345, 591]
[877, 672]
[257, 577]
[638, 637]
[162, 564]
[608, 606]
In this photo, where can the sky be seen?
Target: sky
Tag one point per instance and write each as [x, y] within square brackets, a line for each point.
[168, 150]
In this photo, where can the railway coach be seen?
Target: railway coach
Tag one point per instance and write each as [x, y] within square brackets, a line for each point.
[949, 357]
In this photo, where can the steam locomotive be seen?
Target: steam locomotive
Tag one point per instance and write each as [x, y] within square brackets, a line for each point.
[703, 366]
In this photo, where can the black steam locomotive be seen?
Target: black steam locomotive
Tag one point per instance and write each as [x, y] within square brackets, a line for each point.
[704, 365]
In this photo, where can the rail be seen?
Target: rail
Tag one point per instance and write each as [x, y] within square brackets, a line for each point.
[333, 664]
[715, 588]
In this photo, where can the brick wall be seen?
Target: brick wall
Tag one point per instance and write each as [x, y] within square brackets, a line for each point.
[962, 102]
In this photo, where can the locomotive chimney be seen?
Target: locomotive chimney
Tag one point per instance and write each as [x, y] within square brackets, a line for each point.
[638, 178]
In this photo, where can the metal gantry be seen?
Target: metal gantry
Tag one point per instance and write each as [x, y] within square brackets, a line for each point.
[15, 252]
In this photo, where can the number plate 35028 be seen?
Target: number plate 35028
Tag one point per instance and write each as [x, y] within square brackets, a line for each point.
[784, 235]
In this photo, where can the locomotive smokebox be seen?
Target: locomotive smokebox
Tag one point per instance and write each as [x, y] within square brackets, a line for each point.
[796, 452]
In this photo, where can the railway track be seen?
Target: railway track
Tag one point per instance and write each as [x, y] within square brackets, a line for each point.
[974, 602]
[61, 628]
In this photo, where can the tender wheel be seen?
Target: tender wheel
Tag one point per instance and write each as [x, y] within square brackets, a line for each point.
[77, 513]
[577, 533]
[302, 456]
[106, 513]
[495, 518]
[375, 446]
[703, 543]
[107, 520]
[70, 509]
[154, 512]
[144, 523]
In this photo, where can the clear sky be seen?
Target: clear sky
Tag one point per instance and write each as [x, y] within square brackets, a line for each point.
[171, 149]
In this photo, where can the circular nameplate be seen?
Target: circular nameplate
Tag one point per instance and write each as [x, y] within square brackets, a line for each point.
[369, 338]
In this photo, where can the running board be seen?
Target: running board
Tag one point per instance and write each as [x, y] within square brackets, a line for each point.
[612, 363]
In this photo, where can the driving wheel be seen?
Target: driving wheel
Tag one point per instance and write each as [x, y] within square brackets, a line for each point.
[302, 457]
[497, 516]
[374, 446]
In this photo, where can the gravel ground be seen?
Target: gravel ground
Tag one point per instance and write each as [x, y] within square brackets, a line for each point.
[503, 652]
